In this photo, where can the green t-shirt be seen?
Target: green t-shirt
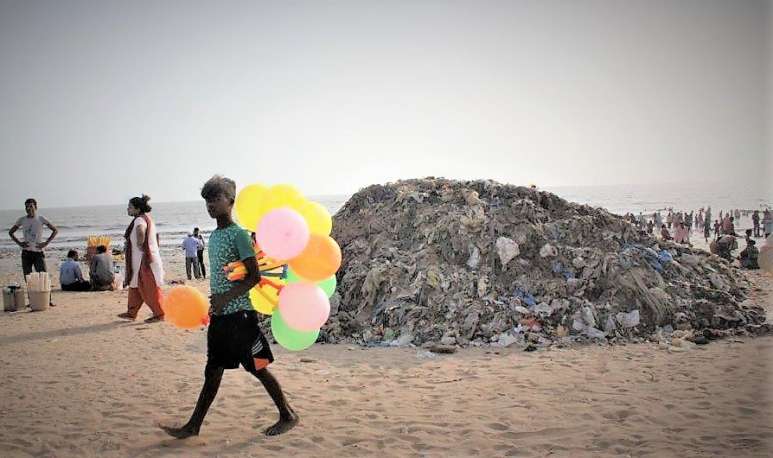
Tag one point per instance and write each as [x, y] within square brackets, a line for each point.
[228, 245]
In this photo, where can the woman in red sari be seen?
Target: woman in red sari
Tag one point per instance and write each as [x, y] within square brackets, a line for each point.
[144, 270]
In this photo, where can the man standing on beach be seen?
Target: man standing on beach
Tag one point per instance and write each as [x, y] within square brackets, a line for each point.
[200, 251]
[756, 223]
[32, 255]
[191, 246]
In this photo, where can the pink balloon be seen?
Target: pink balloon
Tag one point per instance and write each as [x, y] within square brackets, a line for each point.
[282, 233]
[304, 306]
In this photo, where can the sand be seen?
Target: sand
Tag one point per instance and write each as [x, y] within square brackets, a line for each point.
[76, 381]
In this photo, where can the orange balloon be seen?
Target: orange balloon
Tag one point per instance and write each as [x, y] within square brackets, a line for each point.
[186, 307]
[319, 260]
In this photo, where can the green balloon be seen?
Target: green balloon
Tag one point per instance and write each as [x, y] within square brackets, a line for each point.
[292, 277]
[328, 285]
[290, 338]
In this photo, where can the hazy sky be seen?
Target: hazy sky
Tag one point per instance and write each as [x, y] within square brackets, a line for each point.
[102, 100]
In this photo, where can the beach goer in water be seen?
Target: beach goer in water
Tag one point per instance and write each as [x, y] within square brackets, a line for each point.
[707, 224]
[730, 226]
[200, 251]
[756, 223]
[191, 247]
[682, 235]
[670, 218]
[70, 275]
[144, 270]
[767, 222]
[101, 270]
[32, 254]
[234, 336]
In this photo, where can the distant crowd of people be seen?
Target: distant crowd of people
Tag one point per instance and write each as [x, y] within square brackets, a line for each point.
[678, 226]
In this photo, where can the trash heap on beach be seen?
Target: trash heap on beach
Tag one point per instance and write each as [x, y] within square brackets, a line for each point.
[472, 263]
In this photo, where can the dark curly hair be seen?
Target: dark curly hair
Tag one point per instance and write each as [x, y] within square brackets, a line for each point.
[141, 203]
[219, 185]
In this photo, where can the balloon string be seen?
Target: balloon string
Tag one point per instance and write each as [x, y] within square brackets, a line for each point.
[272, 267]
[265, 281]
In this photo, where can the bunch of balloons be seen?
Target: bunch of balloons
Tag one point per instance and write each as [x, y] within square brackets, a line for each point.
[297, 259]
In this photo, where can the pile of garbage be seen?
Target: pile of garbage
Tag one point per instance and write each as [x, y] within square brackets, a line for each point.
[464, 263]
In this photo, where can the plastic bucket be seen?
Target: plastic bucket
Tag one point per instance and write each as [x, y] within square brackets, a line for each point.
[8, 300]
[39, 300]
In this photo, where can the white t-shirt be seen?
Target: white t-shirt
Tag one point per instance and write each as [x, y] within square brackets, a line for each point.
[33, 230]
[137, 254]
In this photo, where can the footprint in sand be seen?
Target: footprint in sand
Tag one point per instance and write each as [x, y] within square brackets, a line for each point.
[748, 412]
[337, 402]
[498, 426]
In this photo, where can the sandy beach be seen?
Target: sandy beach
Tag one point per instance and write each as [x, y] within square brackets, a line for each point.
[76, 381]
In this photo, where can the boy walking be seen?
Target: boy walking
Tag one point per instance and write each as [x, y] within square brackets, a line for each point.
[233, 337]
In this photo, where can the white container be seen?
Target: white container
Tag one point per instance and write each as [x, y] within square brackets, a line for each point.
[39, 300]
[118, 282]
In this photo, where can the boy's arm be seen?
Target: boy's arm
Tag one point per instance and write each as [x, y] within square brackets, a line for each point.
[12, 232]
[54, 231]
[240, 287]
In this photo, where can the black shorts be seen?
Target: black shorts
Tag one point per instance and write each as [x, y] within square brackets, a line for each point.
[235, 339]
[30, 259]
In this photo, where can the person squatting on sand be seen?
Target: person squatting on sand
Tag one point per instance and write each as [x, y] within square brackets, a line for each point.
[664, 234]
[749, 256]
[70, 275]
[234, 336]
[144, 271]
[101, 272]
[32, 255]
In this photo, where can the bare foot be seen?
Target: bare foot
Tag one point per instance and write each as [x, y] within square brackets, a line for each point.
[180, 433]
[283, 425]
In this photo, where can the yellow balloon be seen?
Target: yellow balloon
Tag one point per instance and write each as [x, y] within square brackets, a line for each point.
[261, 303]
[317, 217]
[248, 205]
[281, 195]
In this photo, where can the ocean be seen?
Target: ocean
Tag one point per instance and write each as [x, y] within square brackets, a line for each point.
[175, 219]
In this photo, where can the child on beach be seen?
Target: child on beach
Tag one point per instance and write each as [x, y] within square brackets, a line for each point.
[234, 336]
